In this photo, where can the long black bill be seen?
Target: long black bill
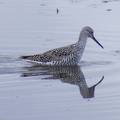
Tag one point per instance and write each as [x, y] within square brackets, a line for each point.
[97, 42]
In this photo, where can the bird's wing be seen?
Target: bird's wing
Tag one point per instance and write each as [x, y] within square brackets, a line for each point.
[51, 55]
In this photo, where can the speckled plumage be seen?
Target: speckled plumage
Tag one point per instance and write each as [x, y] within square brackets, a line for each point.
[64, 56]
[68, 55]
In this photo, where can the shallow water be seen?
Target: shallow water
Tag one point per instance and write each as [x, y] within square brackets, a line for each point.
[30, 91]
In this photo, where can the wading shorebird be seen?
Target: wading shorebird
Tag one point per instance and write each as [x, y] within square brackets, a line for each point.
[68, 55]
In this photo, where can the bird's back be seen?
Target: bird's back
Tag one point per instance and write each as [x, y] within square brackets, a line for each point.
[64, 56]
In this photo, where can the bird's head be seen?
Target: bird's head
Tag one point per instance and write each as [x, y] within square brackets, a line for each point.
[89, 32]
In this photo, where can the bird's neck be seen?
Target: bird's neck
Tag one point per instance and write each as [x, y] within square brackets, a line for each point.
[82, 40]
[80, 45]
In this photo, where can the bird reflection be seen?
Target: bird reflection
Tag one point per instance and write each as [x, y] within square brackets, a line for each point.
[67, 74]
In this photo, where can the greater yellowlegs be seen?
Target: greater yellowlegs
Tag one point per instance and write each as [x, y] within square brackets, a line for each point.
[68, 55]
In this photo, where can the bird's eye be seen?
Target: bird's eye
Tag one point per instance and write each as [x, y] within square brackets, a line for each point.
[91, 32]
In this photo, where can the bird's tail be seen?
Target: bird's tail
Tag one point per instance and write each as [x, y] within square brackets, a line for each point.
[25, 57]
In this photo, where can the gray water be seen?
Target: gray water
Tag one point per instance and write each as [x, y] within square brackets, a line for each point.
[34, 92]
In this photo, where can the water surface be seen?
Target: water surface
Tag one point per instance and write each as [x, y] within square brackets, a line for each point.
[30, 91]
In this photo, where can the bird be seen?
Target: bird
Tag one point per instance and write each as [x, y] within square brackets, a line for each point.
[67, 55]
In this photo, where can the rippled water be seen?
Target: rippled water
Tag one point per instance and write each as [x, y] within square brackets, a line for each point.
[30, 91]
